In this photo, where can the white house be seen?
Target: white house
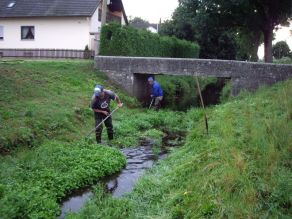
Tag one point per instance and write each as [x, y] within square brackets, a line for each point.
[153, 28]
[55, 24]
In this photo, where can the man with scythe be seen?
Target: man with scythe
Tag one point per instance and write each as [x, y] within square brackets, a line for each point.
[100, 105]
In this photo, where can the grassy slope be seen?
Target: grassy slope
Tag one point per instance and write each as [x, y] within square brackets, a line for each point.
[44, 117]
[241, 170]
[43, 99]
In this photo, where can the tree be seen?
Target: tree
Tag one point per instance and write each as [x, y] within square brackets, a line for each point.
[281, 49]
[139, 23]
[247, 43]
[270, 13]
[216, 41]
[179, 26]
[251, 15]
[191, 22]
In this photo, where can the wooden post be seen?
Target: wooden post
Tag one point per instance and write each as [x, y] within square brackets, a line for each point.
[202, 104]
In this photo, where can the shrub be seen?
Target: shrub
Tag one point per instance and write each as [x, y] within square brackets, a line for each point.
[180, 92]
[281, 49]
[127, 41]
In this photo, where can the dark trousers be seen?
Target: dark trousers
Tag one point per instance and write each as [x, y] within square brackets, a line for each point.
[108, 124]
[157, 102]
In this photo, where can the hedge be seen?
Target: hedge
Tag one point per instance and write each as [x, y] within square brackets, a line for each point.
[119, 40]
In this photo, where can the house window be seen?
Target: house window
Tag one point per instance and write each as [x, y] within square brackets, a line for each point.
[1, 33]
[27, 32]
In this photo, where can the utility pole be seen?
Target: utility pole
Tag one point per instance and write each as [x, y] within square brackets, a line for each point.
[103, 22]
[103, 12]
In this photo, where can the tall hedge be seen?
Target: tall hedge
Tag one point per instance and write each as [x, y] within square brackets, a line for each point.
[119, 40]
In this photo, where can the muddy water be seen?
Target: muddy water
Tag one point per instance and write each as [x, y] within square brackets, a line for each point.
[138, 160]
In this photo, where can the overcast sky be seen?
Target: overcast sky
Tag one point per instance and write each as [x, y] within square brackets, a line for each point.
[150, 10]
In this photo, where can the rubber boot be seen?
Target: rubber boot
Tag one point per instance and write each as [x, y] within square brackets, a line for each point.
[98, 139]
[110, 136]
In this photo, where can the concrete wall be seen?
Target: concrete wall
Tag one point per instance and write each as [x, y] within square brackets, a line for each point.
[244, 75]
[50, 33]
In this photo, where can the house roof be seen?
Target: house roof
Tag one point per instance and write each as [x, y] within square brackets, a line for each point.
[47, 8]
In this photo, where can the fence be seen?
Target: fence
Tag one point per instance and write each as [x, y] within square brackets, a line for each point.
[47, 53]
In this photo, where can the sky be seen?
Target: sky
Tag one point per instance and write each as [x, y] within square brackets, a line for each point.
[150, 10]
[154, 10]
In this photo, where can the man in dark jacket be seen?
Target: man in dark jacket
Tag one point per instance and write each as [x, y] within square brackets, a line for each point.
[156, 93]
[100, 105]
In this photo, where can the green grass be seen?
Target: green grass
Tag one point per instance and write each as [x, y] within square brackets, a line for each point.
[44, 99]
[241, 170]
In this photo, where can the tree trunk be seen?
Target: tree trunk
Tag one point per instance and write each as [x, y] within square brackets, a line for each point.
[256, 43]
[268, 37]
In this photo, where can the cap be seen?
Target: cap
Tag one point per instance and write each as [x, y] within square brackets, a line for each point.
[150, 78]
[98, 89]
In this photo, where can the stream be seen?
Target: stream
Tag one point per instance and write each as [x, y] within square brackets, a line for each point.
[138, 160]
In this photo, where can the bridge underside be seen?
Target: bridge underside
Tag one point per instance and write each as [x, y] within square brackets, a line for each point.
[131, 72]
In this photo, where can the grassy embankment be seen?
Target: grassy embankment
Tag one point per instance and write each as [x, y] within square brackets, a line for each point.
[241, 170]
[44, 116]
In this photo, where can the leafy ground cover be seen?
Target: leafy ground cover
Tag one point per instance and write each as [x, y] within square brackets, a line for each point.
[242, 169]
[33, 182]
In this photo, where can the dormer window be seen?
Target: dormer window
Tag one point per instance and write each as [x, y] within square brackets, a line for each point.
[11, 4]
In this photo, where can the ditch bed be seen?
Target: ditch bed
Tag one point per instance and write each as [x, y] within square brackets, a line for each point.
[138, 160]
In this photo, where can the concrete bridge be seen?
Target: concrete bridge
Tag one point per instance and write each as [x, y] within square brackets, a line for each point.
[131, 72]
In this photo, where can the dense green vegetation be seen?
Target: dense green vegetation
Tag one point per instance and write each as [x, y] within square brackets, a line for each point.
[47, 100]
[40, 100]
[284, 60]
[281, 49]
[227, 29]
[119, 40]
[32, 182]
[181, 92]
[45, 115]
[241, 170]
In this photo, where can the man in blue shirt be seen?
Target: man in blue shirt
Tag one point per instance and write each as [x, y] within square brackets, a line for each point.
[156, 93]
